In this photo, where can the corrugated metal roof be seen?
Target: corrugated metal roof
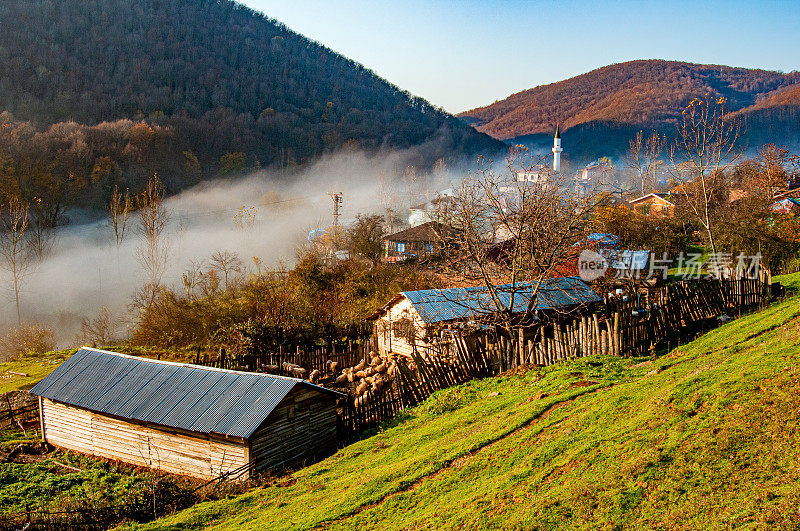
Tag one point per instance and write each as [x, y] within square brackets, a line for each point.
[176, 395]
[436, 305]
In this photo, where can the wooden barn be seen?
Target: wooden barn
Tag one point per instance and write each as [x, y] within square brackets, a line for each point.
[411, 319]
[184, 419]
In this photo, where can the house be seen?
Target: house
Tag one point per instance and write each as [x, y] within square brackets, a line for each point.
[593, 176]
[428, 211]
[655, 204]
[409, 321]
[789, 205]
[184, 419]
[620, 263]
[416, 242]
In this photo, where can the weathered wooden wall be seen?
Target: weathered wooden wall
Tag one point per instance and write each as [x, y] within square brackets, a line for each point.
[167, 449]
[390, 340]
[301, 428]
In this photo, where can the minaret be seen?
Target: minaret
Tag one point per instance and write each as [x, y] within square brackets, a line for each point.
[557, 150]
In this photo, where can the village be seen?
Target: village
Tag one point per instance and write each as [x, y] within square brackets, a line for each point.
[399, 266]
[533, 270]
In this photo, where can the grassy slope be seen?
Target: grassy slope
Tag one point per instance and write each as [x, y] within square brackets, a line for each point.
[35, 367]
[702, 437]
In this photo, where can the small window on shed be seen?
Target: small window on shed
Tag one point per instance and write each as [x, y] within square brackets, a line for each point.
[404, 328]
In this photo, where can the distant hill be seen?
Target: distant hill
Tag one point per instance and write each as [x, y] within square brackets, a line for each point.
[599, 110]
[216, 76]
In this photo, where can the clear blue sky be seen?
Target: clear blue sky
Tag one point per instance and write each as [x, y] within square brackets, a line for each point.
[464, 54]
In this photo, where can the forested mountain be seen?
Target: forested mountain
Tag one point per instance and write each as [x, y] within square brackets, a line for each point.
[201, 86]
[602, 107]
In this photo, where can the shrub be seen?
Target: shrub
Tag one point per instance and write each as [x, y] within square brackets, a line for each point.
[26, 340]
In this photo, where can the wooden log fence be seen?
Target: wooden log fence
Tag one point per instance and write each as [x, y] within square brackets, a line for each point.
[411, 388]
[11, 417]
[630, 324]
[275, 362]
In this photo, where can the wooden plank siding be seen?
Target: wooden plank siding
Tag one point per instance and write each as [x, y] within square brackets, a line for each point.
[167, 449]
[302, 427]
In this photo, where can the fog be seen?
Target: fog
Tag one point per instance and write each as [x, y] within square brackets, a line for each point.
[85, 270]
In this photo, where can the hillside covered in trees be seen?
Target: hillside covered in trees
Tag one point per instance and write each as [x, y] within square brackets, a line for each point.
[102, 92]
[601, 109]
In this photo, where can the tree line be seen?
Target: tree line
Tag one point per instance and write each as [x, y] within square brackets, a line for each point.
[220, 77]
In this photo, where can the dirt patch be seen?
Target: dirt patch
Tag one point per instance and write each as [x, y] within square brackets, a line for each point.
[583, 383]
[518, 371]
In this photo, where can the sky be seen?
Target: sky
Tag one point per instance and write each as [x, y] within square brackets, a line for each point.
[464, 54]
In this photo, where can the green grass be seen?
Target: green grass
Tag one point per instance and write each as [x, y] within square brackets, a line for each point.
[76, 490]
[703, 437]
[46, 485]
[36, 367]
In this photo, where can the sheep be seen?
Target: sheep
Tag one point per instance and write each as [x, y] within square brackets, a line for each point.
[350, 377]
[377, 384]
[298, 372]
[361, 388]
[381, 367]
[362, 400]
[359, 366]
[341, 378]
[314, 376]
[361, 374]
[334, 366]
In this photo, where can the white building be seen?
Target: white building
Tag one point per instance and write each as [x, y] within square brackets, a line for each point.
[540, 174]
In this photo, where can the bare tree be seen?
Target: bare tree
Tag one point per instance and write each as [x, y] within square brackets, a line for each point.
[119, 209]
[772, 163]
[226, 263]
[13, 245]
[153, 218]
[102, 330]
[644, 157]
[41, 234]
[191, 276]
[507, 235]
[706, 146]
[245, 217]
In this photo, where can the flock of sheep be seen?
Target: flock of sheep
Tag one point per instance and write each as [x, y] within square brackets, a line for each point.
[364, 380]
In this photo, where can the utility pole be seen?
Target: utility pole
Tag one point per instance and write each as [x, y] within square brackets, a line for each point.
[337, 204]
